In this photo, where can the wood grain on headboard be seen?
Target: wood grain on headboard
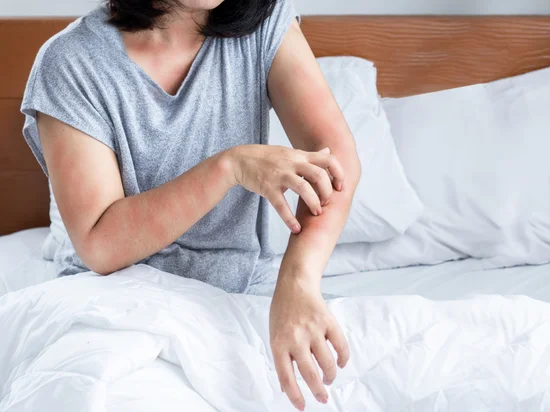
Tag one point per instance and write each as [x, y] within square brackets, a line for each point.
[423, 54]
[413, 55]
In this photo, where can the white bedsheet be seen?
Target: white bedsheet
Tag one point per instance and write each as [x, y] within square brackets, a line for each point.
[74, 339]
[21, 262]
[155, 383]
[160, 386]
[451, 280]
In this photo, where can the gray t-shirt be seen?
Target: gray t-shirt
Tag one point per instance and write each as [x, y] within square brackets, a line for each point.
[84, 77]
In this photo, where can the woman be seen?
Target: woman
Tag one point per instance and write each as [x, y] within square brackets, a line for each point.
[151, 119]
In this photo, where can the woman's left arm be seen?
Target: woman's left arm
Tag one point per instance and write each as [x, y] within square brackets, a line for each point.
[300, 322]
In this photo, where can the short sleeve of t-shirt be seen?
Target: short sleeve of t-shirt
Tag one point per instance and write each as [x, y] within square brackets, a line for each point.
[274, 28]
[62, 86]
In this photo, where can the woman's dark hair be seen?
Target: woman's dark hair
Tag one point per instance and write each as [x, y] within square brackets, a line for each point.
[232, 18]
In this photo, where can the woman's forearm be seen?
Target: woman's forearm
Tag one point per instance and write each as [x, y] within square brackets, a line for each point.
[136, 227]
[308, 253]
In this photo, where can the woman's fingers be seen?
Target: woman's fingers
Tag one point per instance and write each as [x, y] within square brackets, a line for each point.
[287, 378]
[330, 162]
[339, 343]
[309, 372]
[326, 361]
[278, 200]
[319, 178]
[313, 180]
[303, 189]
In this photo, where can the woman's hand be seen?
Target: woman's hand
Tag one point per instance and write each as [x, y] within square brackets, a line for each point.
[271, 170]
[300, 326]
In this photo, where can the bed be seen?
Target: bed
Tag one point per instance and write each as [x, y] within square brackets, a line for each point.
[422, 354]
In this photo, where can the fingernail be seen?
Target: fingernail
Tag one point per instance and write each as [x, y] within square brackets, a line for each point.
[320, 211]
[301, 407]
[282, 389]
[327, 381]
[323, 399]
[296, 229]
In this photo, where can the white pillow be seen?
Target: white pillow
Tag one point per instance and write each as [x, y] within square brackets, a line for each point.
[57, 231]
[479, 158]
[385, 204]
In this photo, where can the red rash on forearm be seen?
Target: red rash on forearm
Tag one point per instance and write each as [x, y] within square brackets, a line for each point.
[308, 252]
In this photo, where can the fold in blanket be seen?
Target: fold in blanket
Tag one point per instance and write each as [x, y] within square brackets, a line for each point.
[65, 343]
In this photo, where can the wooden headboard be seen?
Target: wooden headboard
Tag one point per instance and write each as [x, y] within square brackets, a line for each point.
[413, 54]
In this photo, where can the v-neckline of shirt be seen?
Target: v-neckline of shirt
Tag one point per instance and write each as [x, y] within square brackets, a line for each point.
[192, 68]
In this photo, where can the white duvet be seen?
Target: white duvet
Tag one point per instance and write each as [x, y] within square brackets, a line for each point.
[64, 344]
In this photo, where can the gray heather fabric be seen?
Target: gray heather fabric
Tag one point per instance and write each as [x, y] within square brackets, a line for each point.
[84, 77]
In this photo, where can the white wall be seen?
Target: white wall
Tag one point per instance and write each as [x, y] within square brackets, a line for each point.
[78, 7]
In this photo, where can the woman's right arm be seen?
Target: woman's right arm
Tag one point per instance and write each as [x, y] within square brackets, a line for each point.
[110, 231]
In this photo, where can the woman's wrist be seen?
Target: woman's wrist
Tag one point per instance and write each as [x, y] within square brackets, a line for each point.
[303, 259]
[300, 272]
[227, 161]
[298, 281]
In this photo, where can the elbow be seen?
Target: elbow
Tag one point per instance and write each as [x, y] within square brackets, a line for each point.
[97, 256]
[102, 270]
[354, 169]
